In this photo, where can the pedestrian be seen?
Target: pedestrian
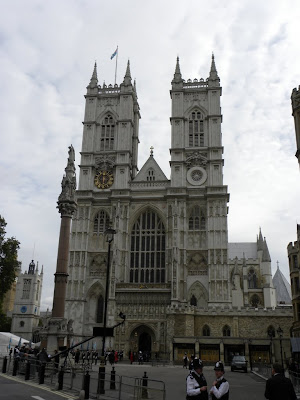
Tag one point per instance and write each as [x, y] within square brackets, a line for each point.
[131, 357]
[279, 387]
[191, 362]
[196, 385]
[185, 360]
[77, 356]
[220, 387]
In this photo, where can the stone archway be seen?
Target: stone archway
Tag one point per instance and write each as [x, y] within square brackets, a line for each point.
[142, 339]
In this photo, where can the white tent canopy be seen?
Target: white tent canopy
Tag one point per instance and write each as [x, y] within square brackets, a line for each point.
[9, 340]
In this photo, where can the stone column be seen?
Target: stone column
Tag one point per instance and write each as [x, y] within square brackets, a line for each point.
[222, 355]
[58, 329]
[67, 206]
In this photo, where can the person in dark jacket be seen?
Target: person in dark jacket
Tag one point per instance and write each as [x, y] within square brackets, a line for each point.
[220, 387]
[196, 385]
[279, 387]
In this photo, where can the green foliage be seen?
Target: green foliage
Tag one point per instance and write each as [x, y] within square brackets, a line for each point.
[5, 323]
[9, 263]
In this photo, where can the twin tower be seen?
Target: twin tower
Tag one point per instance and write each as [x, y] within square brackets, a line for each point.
[170, 255]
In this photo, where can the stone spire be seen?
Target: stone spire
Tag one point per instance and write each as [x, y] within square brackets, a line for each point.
[94, 79]
[127, 77]
[213, 75]
[266, 255]
[177, 75]
[260, 241]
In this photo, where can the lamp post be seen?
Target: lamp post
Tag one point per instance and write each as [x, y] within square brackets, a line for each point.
[271, 334]
[109, 238]
[280, 332]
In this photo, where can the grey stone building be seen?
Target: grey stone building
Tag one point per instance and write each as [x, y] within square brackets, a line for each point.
[182, 286]
[26, 311]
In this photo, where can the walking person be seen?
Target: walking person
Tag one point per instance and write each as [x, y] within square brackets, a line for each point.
[196, 385]
[185, 361]
[220, 388]
[279, 387]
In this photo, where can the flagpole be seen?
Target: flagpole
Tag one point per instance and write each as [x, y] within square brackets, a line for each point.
[116, 64]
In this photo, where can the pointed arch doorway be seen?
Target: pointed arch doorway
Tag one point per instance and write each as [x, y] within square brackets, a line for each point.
[145, 342]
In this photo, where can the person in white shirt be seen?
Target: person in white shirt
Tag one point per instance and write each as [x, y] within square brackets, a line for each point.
[220, 388]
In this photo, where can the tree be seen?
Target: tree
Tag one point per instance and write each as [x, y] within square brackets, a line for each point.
[9, 263]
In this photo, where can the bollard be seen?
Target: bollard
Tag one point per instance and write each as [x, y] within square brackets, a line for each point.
[27, 370]
[144, 388]
[86, 385]
[15, 367]
[113, 379]
[61, 378]
[4, 365]
[101, 380]
[42, 374]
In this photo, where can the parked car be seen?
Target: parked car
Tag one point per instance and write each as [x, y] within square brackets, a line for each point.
[239, 363]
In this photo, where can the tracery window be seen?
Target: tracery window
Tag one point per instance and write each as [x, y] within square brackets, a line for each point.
[226, 331]
[252, 279]
[197, 219]
[148, 246]
[193, 301]
[254, 301]
[100, 306]
[26, 288]
[101, 222]
[196, 129]
[206, 330]
[107, 133]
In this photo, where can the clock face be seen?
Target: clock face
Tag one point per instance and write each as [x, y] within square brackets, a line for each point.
[23, 309]
[104, 179]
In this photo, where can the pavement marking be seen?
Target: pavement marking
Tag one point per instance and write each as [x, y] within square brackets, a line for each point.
[36, 385]
[37, 397]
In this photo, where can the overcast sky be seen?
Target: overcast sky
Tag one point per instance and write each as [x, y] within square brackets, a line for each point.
[47, 52]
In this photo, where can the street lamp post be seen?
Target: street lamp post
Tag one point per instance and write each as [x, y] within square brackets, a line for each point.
[271, 334]
[280, 333]
[109, 238]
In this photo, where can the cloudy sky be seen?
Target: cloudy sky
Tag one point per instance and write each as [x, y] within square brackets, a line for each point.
[47, 52]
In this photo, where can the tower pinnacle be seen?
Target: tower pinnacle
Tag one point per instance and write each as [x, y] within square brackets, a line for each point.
[213, 75]
[177, 75]
[94, 79]
[127, 77]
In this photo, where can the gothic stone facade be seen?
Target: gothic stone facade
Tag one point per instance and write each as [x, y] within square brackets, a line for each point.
[173, 273]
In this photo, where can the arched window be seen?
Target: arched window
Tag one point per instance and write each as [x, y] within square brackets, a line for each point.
[193, 301]
[150, 175]
[271, 331]
[107, 133]
[196, 129]
[254, 301]
[22, 323]
[101, 222]
[197, 219]
[226, 331]
[148, 245]
[252, 279]
[100, 304]
[206, 330]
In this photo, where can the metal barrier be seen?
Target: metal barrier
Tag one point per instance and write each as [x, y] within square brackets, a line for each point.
[295, 378]
[262, 369]
[77, 379]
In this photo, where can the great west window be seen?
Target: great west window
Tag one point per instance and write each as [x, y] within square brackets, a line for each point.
[148, 246]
